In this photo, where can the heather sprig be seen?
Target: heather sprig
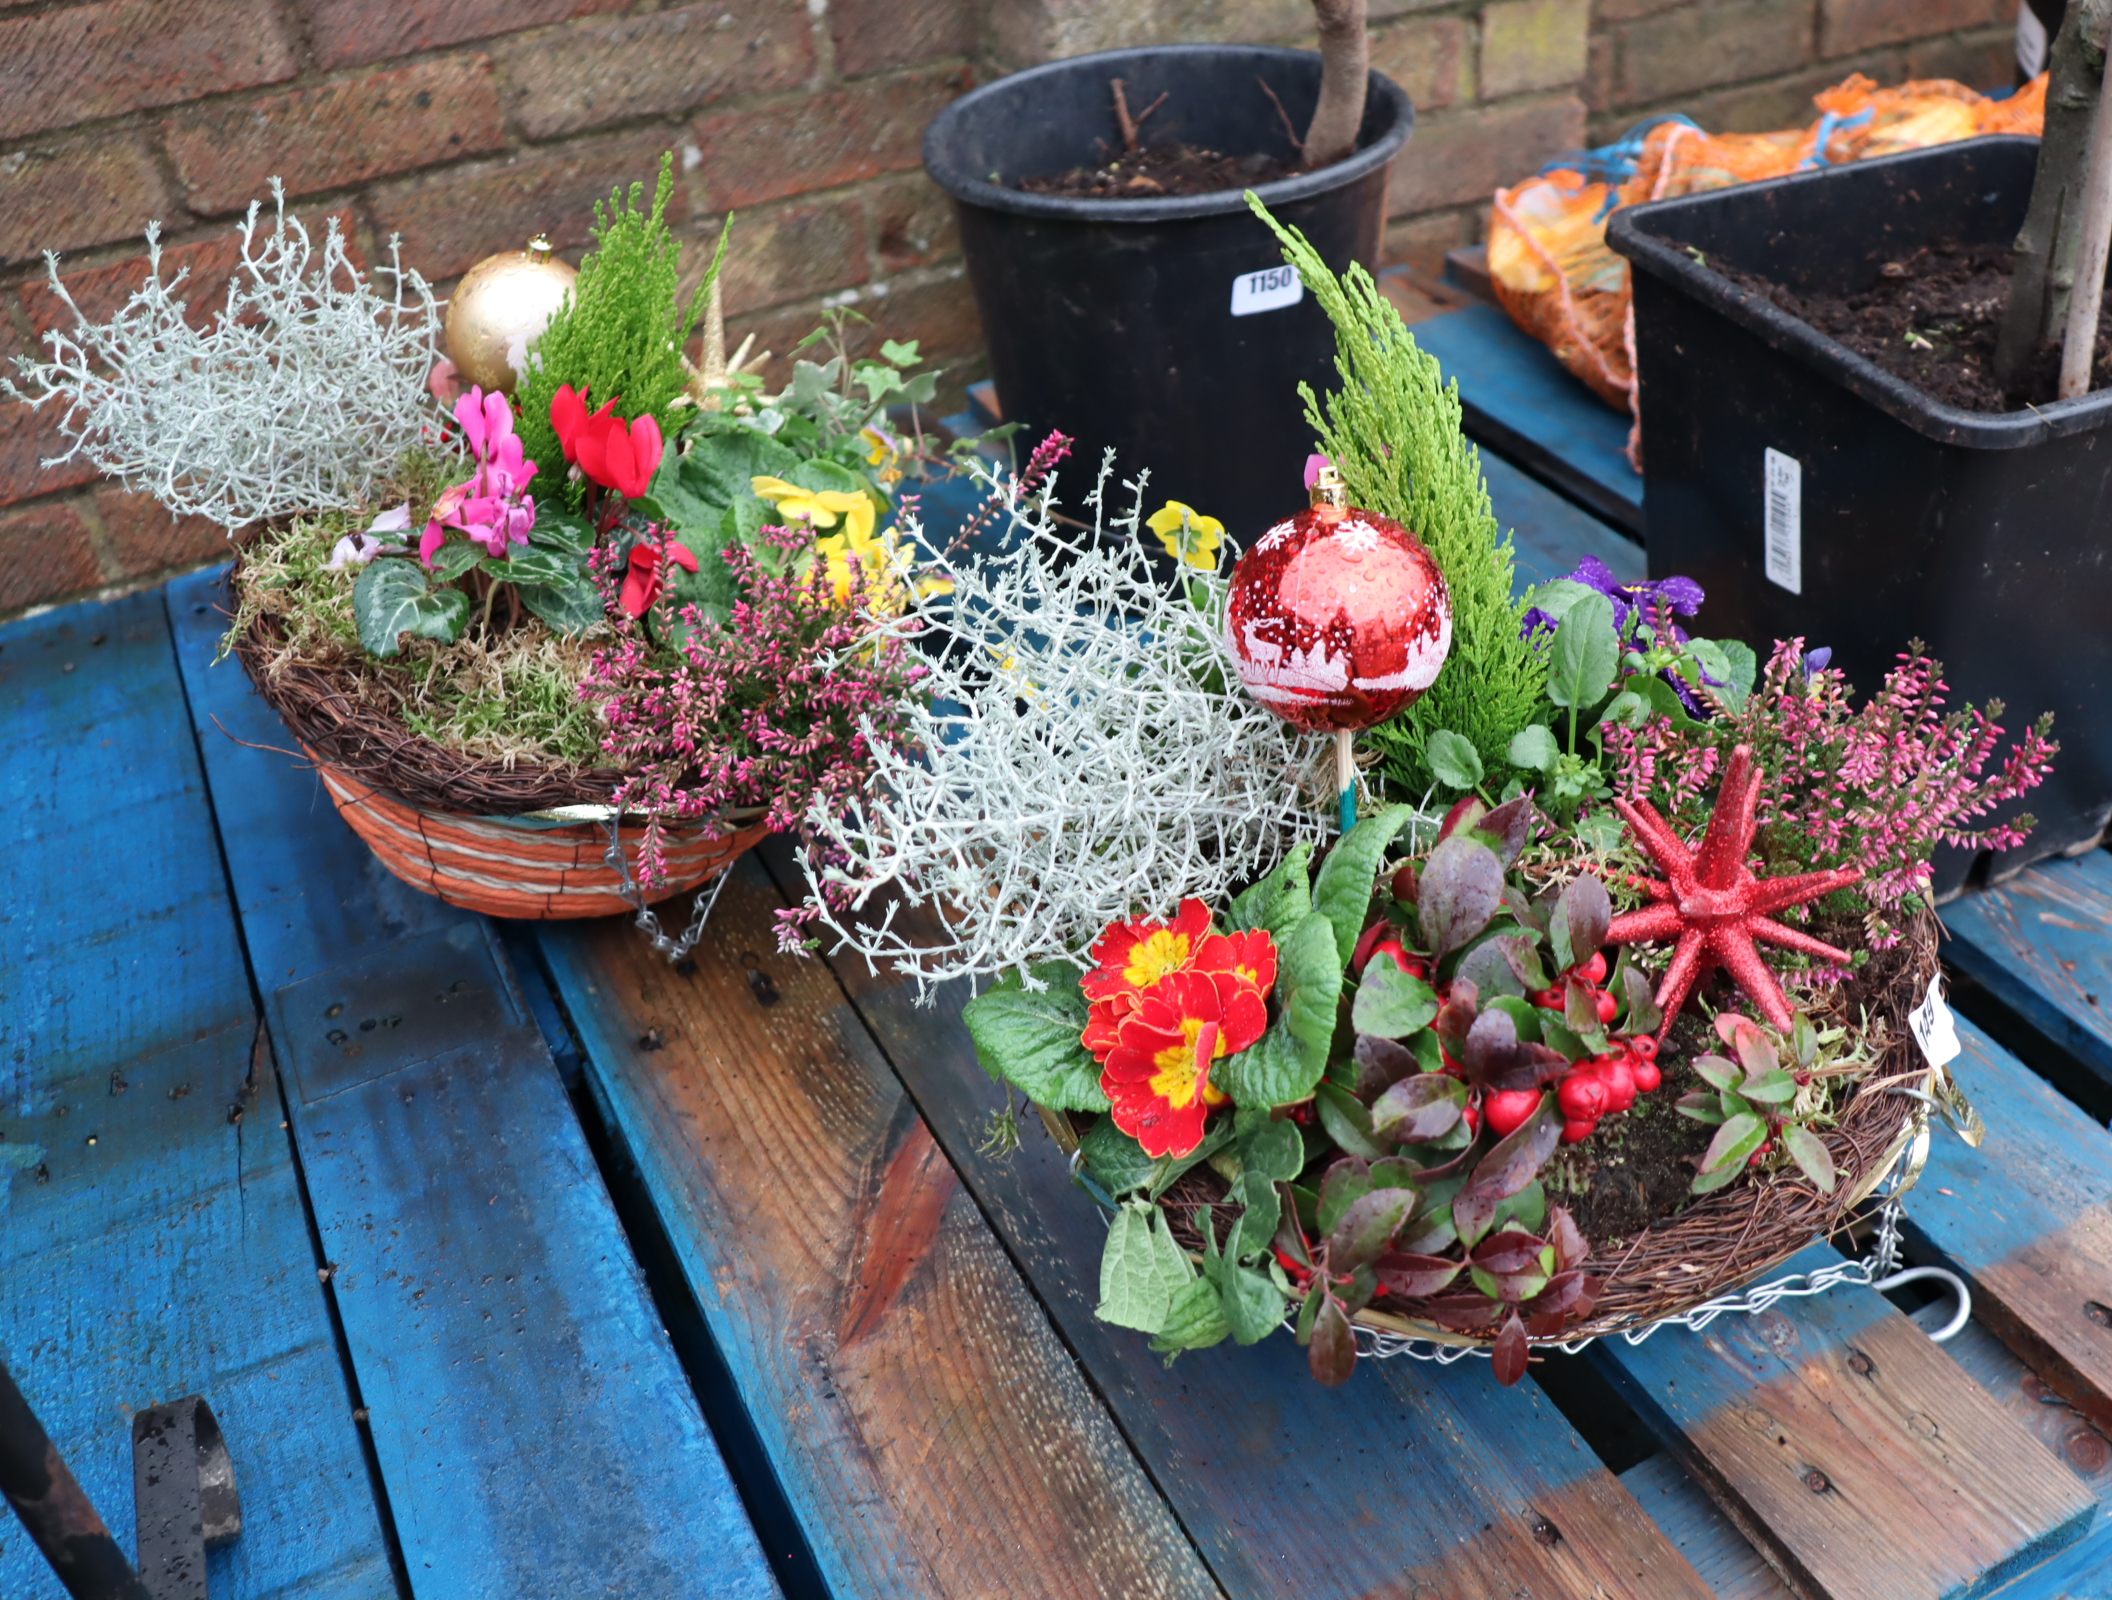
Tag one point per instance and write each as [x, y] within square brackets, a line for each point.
[778, 709]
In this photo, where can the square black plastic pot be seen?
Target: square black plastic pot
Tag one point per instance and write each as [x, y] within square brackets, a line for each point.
[1988, 537]
[1119, 321]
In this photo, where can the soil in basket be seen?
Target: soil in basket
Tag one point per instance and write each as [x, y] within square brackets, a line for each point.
[1932, 318]
[1163, 170]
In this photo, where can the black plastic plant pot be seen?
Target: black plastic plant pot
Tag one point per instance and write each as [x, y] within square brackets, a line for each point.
[1168, 329]
[1813, 494]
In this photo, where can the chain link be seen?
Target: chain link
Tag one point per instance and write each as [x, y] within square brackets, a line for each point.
[647, 921]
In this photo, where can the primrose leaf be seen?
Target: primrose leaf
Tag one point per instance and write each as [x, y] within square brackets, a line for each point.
[1309, 983]
[1032, 1041]
[1585, 654]
[1342, 891]
[1258, 1222]
[1195, 1320]
[1462, 885]
[1280, 901]
[1452, 759]
[1273, 1071]
[1141, 1270]
[392, 598]
[1534, 749]
[1119, 1164]
[1390, 1004]
[1514, 1162]
[1268, 1147]
[1810, 1154]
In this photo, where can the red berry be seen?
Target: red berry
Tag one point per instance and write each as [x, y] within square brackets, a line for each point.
[1367, 942]
[1606, 1003]
[1577, 1129]
[1472, 1118]
[1549, 999]
[1645, 1046]
[1508, 1109]
[1619, 1079]
[1583, 1096]
[1594, 970]
[1753, 1160]
[1647, 1076]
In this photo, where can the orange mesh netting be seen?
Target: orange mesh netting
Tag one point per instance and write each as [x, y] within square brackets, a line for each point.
[1548, 260]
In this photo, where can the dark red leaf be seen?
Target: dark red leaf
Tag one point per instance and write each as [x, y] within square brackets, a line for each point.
[1509, 1250]
[1333, 1352]
[1466, 811]
[1496, 1058]
[1510, 1351]
[1464, 1313]
[1506, 1169]
[1418, 1109]
[1414, 1277]
[1456, 1016]
[1509, 828]
[1571, 1247]
[1568, 1297]
[1461, 890]
[1368, 1228]
[1589, 913]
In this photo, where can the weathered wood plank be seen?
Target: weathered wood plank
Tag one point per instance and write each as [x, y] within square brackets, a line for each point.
[1410, 1480]
[927, 1426]
[2028, 1217]
[2042, 944]
[1729, 1564]
[1519, 402]
[516, 1374]
[152, 1238]
[1850, 1450]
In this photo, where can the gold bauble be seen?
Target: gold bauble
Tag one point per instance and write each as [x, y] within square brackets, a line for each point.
[498, 309]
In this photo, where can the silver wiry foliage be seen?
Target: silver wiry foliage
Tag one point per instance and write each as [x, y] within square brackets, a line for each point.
[1088, 755]
[306, 388]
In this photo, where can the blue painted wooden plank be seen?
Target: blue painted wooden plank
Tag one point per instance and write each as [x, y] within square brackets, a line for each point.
[1409, 1480]
[1728, 1564]
[505, 1343]
[1550, 535]
[2083, 1571]
[2028, 1217]
[2042, 944]
[152, 1238]
[1520, 402]
[1850, 1450]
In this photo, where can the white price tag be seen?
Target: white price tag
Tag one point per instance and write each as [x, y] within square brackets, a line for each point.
[1783, 492]
[1270, 290]
[1933, 1028]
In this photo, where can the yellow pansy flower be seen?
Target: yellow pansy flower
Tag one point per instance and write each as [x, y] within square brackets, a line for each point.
[881, 452]
[1187, 534]
[818, 508]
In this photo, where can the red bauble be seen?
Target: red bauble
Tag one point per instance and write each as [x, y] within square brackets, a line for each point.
[1338, 618]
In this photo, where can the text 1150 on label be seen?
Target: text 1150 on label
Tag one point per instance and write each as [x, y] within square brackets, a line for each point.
[1783, 493]
[1268, 290]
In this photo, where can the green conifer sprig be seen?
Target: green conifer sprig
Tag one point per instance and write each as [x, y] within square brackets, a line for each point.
[620, 333]
[1393, 431]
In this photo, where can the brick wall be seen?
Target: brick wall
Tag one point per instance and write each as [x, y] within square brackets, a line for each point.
[467, 125]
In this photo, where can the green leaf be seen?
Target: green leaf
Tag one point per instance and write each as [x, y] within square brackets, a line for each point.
[1309, 984]
[1273, 1071]
[1585, 653]
[1602, 831]
[1738, 1138]
[821, 474]
[566, 607]
[1716, 1072]
[1453, 761]
[1557, 596]
[1534, 749]
[1259, 1220]
[527, 564]
[1116, 1161]
[1033, 1041]
[454, 558]
[1810, 1154]
[1527, 1208]
[1253, 1306]
[1773, 1087]
[1523, 1013]
[1342, 892]
[392, 598]
[899, 355]
[1343, 1117]
[1390, 1003]
[1344, 1183]
[1742, 668]
[1270, 1148]
[1141, 1270]
[561, 530]
[1195, 1320]
[1280, 901]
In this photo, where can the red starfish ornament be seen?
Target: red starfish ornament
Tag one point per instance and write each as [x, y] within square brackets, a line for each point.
[1714, 906]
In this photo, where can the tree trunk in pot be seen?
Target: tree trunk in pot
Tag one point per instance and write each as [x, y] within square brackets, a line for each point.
[1345, 66]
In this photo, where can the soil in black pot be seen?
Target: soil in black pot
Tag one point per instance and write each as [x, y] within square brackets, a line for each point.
[1162, 170]
[1932, 319]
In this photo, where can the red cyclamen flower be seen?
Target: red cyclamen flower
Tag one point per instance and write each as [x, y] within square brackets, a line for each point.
[619, 455]
[642, 579]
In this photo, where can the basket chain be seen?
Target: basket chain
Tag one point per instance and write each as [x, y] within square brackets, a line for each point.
[647, 921]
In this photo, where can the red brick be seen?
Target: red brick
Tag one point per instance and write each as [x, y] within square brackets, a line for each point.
[210, 262]
[581, 77]
[62, 67]
[346, 33]
[1420, 243]
[1465, 155]
[940, 315]
[336, 133]
[821, 140]
[145, 537]
[1979, 60]
[1846, 25]
[789, 252]
[1716, 42]
[27, 435]
[1533, 45]
[912, 221]
[872, 35]
[1423, 58]
[69, 196]
[452, 220]
[44, 554]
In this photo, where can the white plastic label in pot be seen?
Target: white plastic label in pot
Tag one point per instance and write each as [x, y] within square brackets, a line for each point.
[1932, 1026]
[1268, 290]
[1783, 493]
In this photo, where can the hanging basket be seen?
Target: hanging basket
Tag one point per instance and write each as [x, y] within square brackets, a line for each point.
[524, 839]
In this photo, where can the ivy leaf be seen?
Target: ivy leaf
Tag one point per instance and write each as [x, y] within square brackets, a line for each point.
[392, 598]
[1810, 1154]
[1585, 653]
[1534, 749]
[1032, 1041]
[1141, 1270]
[1391, 1004]
[1452, 759]
[1342, 892]
[1280, 900]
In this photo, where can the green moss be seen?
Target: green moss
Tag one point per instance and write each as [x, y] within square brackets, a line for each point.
[1393, 431]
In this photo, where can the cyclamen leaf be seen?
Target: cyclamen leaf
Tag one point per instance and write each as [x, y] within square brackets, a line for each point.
[1810, 1154]
[1281, 900]
[1032, 1041]
[392, 598]
[568, 607]
[1194, 1321]
[1390, 1004]
[453, 559]
[1462, 885]
[527, 564]
[1342, 891]
[1452, 759]
[564, 532]
[1585, 653]
[1141, 1270]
